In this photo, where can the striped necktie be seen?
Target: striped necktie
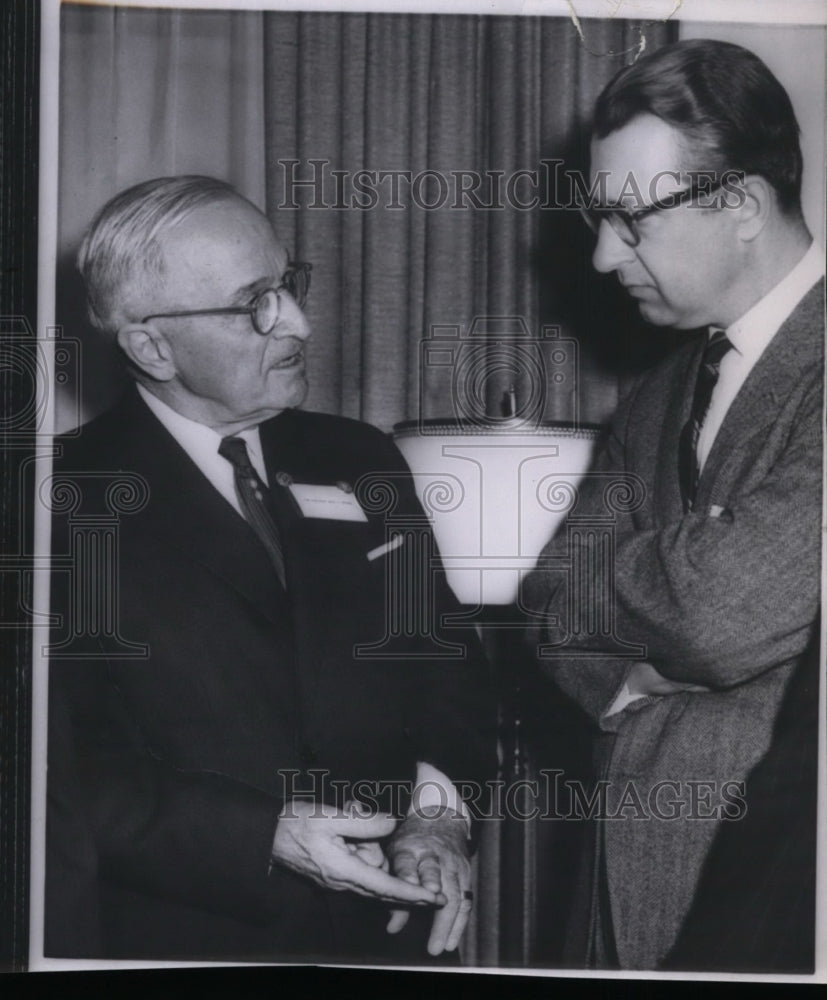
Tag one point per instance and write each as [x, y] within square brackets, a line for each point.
[688, 469]
[255, 500]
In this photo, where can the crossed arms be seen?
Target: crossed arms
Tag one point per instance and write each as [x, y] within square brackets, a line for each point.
[715, 597]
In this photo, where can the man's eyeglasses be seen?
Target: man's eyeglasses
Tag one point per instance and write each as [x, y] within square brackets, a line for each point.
[624, 221]
[265, 308]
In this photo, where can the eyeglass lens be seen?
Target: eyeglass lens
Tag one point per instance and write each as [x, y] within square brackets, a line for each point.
[266, 311]
[620, 222]
[296, 282]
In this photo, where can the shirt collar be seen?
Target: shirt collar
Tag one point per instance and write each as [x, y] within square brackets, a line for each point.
[754, 330]
[199, 441]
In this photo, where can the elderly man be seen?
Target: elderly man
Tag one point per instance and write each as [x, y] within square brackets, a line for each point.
[248, 761]
[713, 578]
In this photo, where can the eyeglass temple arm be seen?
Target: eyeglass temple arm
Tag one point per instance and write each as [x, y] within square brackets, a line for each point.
[223, 311]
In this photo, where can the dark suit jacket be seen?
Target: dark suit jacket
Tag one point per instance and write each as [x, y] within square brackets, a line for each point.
[186, 752]
[725, 597]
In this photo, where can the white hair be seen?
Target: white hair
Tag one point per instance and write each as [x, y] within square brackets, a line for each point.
[121, 246]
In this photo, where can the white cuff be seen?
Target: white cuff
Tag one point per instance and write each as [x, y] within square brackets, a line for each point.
[624, 698]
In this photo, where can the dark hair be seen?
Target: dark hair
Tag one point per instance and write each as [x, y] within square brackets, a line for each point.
[725, 102]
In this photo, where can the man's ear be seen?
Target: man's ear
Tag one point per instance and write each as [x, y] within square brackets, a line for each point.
[757, 207]
[147, 349]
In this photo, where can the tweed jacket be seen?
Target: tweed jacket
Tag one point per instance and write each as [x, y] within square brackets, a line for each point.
[725, 597]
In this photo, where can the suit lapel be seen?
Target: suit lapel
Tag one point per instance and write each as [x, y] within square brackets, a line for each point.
[289, 445]
[792, 355]
[188, 514]
[292, 445]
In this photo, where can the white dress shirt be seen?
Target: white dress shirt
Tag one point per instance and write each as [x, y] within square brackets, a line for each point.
[201, 444]
[433, 788]
[750, 336]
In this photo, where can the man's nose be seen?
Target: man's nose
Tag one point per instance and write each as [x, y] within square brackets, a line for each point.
[291, 322]
[610, 251]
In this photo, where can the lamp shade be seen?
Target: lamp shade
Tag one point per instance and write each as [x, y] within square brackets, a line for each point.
[496, 494]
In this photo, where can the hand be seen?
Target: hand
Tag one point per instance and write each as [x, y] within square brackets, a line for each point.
[430, 848]
[310, 840]
[369, 851]
[644, 679]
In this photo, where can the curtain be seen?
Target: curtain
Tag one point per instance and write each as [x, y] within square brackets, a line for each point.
[146, 93]
[271, 100]
[442, 100]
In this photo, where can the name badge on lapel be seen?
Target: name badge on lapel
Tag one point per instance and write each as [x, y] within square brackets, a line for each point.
[330, 502]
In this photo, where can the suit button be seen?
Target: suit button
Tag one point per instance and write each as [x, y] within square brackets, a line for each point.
[307, 755]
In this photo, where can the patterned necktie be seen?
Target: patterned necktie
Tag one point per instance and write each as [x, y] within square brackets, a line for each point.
[689, 471]
[255, 500]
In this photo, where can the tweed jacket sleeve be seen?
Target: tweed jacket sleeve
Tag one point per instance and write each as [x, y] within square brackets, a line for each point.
[721, 595]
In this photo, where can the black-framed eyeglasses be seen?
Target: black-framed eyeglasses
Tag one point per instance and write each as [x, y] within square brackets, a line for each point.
[265, 308]
[624, 221]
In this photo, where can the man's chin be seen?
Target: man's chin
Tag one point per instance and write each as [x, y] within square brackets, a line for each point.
[657, 314]
[287, 398]
[296, 394]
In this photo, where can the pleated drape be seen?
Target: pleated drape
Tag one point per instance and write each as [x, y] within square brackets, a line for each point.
[269, 99]
[145, 93]
[439, 96]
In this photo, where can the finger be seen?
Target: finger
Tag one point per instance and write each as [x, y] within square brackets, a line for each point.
[466, 904]
[441, 927]
[405, 866]
[375, 882]
[361, 827]
[397, 921]
[430, 872]
[353, 807]
[369, 851]
[454, 938]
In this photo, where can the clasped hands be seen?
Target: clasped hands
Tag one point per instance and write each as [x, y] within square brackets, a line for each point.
[424, 863]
